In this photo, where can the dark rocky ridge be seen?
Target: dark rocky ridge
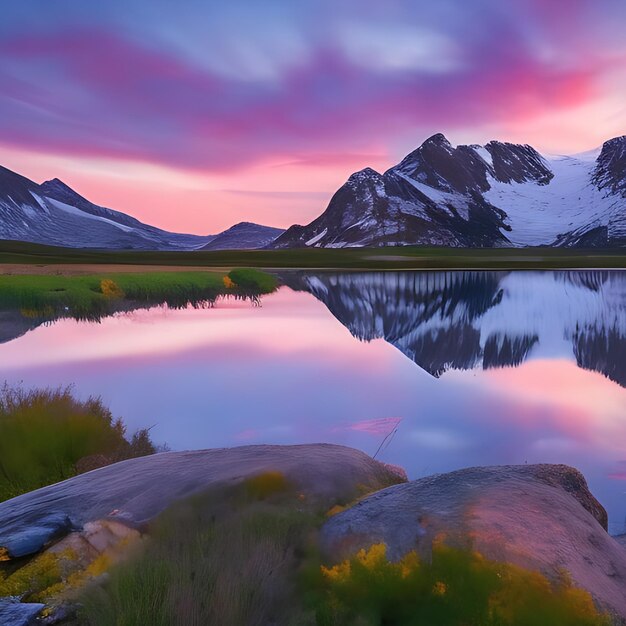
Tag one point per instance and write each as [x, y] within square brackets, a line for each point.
[611, 166]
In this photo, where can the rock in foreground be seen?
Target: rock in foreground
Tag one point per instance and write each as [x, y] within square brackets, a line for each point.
[137, 490]
[540, 517]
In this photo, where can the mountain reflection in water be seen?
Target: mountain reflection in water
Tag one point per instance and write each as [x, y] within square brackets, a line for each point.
[463, 320]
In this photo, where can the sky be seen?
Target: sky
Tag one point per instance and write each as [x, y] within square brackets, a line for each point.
[194, 116]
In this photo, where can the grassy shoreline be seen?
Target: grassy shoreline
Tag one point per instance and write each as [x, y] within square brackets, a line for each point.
[394, 258]
[98, 294]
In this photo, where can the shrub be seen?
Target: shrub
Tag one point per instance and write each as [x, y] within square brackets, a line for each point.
[456, 587]
[48, 435]
[226, 557]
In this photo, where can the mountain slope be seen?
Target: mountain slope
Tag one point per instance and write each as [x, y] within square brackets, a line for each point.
[53, 213]
[244, 236]
[500, 194]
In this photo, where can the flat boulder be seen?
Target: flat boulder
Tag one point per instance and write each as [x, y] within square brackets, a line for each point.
[135, 491]
[540, 517]
[15, 613]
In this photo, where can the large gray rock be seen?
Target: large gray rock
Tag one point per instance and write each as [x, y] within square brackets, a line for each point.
[541, 517]
[137, 490]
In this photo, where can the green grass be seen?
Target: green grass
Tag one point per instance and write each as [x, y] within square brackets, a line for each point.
[95, 295]
[228, 557]
[406, 257]
[47, 435]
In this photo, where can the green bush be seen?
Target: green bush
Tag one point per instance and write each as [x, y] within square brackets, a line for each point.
[47, 435]
[456, 588]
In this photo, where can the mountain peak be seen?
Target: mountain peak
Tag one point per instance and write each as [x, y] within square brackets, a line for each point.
[61, 191]
[438, 139]
[244, 235]
[57, 183]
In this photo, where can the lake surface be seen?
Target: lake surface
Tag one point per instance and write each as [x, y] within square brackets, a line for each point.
[433, 371]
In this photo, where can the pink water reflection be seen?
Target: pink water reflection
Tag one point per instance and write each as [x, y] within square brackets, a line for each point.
[289, 372]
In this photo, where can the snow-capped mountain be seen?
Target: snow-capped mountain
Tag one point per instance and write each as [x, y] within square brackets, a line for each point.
[466, 320]
[244, 236]
[497, 195]
[53, 213]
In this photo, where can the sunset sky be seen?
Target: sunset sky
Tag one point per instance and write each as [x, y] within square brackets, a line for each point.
[195, 115]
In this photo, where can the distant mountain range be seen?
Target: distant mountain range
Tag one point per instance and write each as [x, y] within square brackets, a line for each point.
[497, 195]
[244, 236]
[53, 213]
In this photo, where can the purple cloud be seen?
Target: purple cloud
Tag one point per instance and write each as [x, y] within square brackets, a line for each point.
[97, 92]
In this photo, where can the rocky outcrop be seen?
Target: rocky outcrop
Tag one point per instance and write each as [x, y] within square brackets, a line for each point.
[75, 530]
[133, 492]
[541, 517]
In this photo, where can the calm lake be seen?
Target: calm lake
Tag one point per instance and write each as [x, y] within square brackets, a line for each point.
[432, 371]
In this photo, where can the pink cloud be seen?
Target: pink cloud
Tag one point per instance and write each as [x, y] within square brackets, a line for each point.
[124, 99]
[378, 427]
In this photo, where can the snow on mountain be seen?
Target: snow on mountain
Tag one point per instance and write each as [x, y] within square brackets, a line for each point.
[497, 195]
[53, 213]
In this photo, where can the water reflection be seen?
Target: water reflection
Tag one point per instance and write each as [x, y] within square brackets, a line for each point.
[288, 372]
[462, 320]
